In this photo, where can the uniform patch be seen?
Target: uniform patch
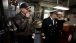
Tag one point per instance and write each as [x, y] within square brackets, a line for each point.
[50, 24]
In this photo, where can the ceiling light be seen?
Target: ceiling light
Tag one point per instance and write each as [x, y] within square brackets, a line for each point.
[49, 10]
[46, 10]
[61, 8]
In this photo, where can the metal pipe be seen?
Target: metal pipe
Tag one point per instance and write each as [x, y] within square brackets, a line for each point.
[68, 3]
[57, 2]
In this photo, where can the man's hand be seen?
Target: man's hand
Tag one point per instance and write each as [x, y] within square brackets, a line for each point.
[44, 37]
[28, 14]
[33, 35]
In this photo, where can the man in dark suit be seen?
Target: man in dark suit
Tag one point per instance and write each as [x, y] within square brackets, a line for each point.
[60, 20]
[49, 28]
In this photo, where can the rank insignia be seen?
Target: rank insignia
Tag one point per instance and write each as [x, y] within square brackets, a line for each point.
[50, 24]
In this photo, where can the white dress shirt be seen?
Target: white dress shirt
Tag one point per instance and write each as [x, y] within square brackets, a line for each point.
[53, 20]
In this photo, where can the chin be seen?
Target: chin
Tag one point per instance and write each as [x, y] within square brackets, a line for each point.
[28, 17]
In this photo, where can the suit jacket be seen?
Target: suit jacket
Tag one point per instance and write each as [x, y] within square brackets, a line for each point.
[48, 27]
[60, 23]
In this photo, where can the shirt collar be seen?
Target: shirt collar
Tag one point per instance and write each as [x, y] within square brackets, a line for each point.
[51, 18]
